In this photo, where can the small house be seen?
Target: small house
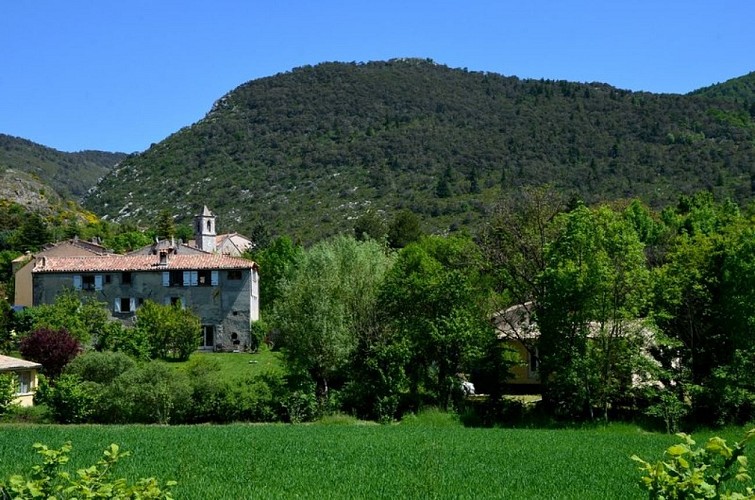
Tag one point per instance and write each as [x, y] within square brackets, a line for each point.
[26, 375]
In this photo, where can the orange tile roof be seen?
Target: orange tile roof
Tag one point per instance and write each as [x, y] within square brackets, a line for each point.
[115, 263]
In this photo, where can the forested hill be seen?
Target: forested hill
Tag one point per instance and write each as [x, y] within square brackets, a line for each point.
[305, 152]
[740, 90]
[69, 174]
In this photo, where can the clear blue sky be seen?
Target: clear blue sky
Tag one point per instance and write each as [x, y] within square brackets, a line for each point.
[120, 75]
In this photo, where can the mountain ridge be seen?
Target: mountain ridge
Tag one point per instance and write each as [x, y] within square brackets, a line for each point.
[70, 175]
[307, 151]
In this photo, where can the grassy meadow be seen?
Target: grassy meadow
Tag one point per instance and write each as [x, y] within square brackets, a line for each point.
[419, 458]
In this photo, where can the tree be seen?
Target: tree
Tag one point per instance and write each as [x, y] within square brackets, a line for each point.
[404, 229]
[431, 297]
[32, 234]
[595, 286]
[370, 226]
[54, 349]
[166, 226]
[513, 244]
[84, 320]
[275, 260]
[172, 332]
[7, 334]
[701, 297]
[327, 301]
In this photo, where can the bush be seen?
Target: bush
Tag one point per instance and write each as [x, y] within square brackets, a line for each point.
[37, 414]
[131, 341]
[69, 399]
[300, 403]
[729, 394]
[259, 398]
[54, 349]
[253, 399]
[258, 332]
[667, 407]
[48, 481]
[7, 391]
[172, 332]
[149, 393]
[100, 367]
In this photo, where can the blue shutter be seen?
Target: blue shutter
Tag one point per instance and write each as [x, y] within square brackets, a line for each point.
[77, 282]
[194, 278]
[166, 278]
[214, 278]
[117, 305]
[187, 278]
[98, 282]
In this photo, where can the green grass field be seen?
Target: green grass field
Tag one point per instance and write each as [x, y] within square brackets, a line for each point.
[417, 459]
[239, 365]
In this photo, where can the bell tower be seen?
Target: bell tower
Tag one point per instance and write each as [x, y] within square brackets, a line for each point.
[204, 230]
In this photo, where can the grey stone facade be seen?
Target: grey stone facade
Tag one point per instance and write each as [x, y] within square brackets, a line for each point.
[223, 291]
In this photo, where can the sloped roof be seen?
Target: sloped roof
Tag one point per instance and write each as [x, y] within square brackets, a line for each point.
[117, 263]
[206, 212]
[8, 363]
[516, 323]
[176, 248]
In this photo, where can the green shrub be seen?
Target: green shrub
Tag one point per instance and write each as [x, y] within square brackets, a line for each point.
[669, 408]
[48, 481]
[211, 401]
[7, 391]
[37, 414]
[70, 399]
[149, 393]
[258, 332]
[730, 390]
[301, 404]
[134, 342]
[432, 417]
[100, 367]
[690, 472]
[173, 333]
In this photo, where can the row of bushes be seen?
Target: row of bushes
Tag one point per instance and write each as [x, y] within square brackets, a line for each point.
[110, 387]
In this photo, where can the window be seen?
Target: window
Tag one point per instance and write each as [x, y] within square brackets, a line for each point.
[107, 279]
[126, 278]
[204, 277]
[124, 305]
[176, 278]
[25, 382]
[534, 362]
[234, 274]
[87, 282]
[190, 278]
[208, 336]
[174, 301]
[207, 277]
